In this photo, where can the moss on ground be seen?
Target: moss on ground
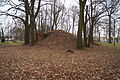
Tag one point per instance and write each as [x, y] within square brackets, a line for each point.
[11, 43]
[117, 45]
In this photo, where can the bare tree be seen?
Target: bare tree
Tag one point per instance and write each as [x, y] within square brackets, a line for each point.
[111, 8]
[30, 16]
[96, 12]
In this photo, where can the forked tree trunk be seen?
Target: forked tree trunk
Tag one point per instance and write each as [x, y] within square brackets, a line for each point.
[90, 37]
[32, 20]
[80, 24]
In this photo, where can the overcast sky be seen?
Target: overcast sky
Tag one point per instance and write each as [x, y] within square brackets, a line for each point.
[70, 2]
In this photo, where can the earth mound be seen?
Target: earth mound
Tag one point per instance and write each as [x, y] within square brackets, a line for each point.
[58, 39]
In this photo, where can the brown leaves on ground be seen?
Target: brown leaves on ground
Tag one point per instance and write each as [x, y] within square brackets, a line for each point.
[55, 58]
[41, 63]
[58, 38]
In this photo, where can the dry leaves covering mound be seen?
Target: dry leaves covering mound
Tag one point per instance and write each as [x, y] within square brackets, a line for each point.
[60, 39]
[40, 63]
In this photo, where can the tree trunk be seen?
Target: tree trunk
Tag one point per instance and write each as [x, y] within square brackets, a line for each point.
[26, 34]
[109, 40]
[90, 37]
[91, 34]
[92, 24]
[80, 26]
[85, 38]
[39, 28]
[54, 16]
[32, 23]
[99, 37]
[26, 23]
[33, 37]
[3, 37]
[0, 35]
[118, 35]
[73, 27]
[114, 32]
[51, 18]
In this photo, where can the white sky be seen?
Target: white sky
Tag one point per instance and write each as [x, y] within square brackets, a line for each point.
[67, 3]
[70, 2]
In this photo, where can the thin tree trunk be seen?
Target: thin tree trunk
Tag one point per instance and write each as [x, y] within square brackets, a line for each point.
[118, 35]
[54, 16]
[73, 27]
[3, 37]
[109, 41]
[39, 28]
[99, 37]
[114, 32]
[85, 38]
[51, 18]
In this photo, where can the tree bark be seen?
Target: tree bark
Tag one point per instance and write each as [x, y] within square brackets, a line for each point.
[26, 34]
[3, 37]
[73, 27]
[99, 37]
[85, 38]
[26, 23]
[33, 37]
[54, 16]
[80, 24]
[32, 23]
[90, 37]
[32, 20]
[110, 38]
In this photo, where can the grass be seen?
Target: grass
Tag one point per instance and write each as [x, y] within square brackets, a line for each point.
[117, 45]
[11, 43]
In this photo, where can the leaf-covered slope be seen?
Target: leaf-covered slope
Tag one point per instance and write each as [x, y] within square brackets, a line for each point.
[59, 39]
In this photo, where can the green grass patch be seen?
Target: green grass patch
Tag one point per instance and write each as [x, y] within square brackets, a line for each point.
[117, 45]
[11, 43]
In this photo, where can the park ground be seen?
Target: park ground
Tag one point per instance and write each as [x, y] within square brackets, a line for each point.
[56, 58]
[18, 62]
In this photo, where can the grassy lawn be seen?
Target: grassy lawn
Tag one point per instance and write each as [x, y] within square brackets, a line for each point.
[11, 43]
[117, 45]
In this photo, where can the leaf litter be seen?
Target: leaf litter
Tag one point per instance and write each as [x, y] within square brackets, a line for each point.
[53, 62]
